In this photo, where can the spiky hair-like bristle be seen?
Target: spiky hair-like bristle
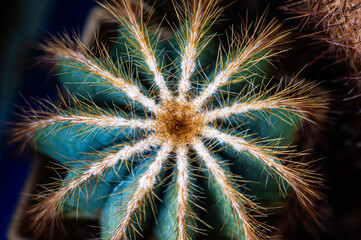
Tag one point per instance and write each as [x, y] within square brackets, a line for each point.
[336, 22]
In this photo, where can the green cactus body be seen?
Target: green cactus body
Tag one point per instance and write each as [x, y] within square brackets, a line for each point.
[153, 138]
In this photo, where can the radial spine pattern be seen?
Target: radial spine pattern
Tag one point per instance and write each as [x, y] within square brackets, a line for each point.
[170, 132]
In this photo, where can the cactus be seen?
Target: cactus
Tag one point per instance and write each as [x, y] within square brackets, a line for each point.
[337, 23]
[172, 130]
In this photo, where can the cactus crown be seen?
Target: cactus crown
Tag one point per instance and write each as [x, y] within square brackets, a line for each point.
[149, 128]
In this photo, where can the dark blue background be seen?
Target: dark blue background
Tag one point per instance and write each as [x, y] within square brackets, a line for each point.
[25, 24]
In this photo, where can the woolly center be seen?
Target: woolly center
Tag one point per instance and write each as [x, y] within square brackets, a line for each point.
[178, 121]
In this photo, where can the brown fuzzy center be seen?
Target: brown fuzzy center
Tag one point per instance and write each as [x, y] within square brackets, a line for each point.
[178, 122]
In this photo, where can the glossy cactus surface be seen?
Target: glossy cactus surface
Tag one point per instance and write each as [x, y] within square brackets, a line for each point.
[175, 135]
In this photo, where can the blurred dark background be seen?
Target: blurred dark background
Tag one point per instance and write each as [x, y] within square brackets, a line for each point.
[26, 23]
